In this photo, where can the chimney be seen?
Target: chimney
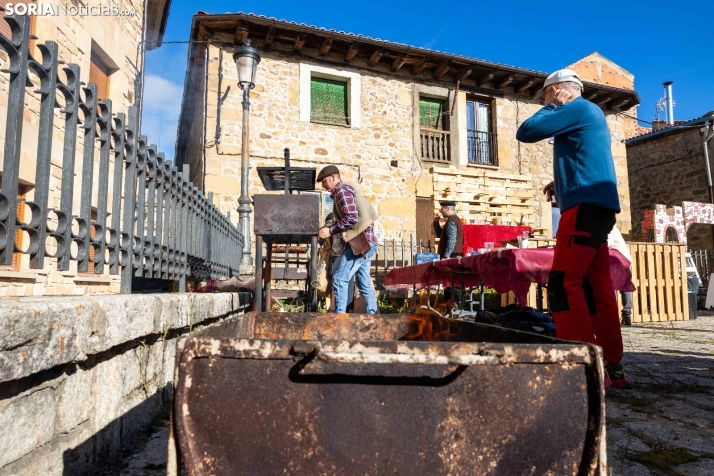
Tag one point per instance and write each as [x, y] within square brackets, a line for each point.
[657, 125]
[669, 102]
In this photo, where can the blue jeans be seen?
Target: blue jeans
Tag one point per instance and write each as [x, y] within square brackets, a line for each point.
[344, 268]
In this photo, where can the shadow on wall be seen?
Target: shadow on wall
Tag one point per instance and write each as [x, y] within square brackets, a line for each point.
[103, 448]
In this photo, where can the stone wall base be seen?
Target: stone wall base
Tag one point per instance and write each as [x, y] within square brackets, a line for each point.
[73, 417]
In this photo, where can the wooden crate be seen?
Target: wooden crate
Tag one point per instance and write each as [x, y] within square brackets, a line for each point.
[483, 195]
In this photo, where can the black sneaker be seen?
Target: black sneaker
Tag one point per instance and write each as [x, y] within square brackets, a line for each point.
[616, 373]
[626, 319]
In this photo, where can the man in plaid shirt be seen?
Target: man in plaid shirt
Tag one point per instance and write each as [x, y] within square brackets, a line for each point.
[353, 215]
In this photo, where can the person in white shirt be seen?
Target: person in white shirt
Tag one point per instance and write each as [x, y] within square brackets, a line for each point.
[617, 242]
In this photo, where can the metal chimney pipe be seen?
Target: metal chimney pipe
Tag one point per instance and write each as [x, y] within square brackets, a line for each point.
[669, 102]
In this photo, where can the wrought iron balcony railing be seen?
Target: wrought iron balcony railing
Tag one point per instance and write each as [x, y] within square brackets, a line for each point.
[482, 148]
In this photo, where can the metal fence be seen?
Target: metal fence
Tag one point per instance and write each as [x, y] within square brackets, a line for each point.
[704, 260]
[395, 254]
[162, 227]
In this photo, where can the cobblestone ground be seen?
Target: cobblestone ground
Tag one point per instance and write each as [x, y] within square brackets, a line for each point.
[663, 424]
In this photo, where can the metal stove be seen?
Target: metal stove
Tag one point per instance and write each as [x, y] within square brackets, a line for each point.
[285, 219]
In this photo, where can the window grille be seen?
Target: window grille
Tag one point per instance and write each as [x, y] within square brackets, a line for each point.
[328, 102]
[671, 236]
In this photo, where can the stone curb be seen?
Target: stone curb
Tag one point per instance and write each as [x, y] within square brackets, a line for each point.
[37, 334]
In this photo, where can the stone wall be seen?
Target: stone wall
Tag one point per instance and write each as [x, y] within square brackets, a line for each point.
[669, 169]
[380, 153]
[116, 40]
[80, 376]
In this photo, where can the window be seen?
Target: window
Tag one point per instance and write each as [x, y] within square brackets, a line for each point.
[481, 142]
[99, 74]
[17, 257]
[434, 130]
[330, 96]
[90, 248]
[328, 101]
[431, 113]
[671, 235]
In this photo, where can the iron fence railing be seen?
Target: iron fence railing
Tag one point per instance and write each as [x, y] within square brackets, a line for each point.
[161, 225]
[482, 147]
[435, 145]
[704, 261]
[395, 253]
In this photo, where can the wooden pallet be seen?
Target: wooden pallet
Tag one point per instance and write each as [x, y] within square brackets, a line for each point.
[657, 272]
[661, 293]
[485, 195]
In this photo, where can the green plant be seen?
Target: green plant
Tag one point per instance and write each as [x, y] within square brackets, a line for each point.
[492, 299]
[389, 305]
[287, 305]
[665, 459]
[142, 366]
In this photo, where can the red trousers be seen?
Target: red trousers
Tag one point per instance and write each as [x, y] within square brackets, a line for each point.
[580, 292]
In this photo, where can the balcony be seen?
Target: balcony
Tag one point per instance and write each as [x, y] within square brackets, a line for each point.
[482, 148]
[435, 145]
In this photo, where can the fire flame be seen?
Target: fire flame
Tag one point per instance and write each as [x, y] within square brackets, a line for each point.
[426, 324]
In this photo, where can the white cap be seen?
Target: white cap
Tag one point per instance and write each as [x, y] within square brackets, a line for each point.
[560, 76]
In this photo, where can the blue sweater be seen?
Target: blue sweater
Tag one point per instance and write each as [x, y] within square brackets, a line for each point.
[583, 169]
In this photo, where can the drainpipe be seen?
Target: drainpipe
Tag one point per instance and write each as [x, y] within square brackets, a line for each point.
[708, 133]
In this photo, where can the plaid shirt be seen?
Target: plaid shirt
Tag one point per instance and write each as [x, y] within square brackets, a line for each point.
[344, 197]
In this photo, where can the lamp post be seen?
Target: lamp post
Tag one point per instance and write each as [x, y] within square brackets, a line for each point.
[247, 58]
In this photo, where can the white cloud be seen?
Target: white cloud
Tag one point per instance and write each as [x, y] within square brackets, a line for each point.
[162, 105]
[160, 94]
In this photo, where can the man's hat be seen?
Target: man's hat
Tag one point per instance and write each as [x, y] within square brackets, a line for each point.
[327, 171]
[560, 76]
[447, 203]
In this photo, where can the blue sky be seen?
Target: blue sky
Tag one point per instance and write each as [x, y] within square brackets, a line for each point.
[657, 41]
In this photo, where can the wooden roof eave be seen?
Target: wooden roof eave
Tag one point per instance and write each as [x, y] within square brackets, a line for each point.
[376, 52]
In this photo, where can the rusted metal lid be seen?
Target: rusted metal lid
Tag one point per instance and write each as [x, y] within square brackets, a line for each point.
[301, 178]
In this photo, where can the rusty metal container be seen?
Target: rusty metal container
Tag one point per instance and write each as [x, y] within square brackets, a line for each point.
[329, 394]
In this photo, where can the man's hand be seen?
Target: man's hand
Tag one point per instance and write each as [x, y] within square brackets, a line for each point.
[324, 232]
[561, 96]
[548, 191]
[436, 217]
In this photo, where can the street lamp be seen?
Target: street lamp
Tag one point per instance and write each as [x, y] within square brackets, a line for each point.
[247, 58]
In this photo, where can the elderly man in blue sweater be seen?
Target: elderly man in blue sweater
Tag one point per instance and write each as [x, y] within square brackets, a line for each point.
[580, 291]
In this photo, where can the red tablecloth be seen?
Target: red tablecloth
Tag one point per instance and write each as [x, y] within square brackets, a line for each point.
[476, 235]
[503, 270]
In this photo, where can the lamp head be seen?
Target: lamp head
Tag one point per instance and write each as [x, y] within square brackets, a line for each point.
[247, 58]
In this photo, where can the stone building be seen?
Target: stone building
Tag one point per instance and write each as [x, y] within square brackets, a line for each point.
[412, 126]
[109, 49]
[596, 68]
[667, 167]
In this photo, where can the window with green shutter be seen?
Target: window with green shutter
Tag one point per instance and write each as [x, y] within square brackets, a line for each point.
[328, 101]
[431, 113]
